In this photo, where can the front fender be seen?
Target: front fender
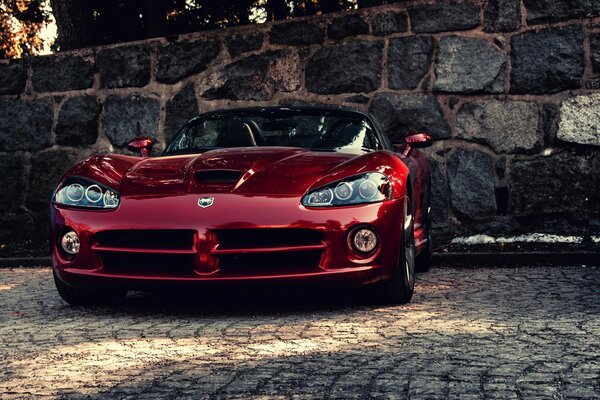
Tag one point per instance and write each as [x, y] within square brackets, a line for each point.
[105, 169]
[384, 161]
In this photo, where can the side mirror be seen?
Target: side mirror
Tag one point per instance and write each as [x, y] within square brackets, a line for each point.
[415, 140]
[418, 140]
[141, 145]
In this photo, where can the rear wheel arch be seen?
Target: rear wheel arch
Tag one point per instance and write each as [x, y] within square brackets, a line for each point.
[423, 259]
[409, 192]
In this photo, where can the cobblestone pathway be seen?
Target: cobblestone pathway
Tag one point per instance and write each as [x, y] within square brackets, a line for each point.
[469, 333]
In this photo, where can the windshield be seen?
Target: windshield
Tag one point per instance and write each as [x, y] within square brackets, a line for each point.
[315, 130]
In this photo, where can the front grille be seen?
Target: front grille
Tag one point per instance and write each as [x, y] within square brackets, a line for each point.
[175, 239]
[177, 265]
[152, 252]
[270, 237]
[265, 251]
[233, 252]
[270, 263]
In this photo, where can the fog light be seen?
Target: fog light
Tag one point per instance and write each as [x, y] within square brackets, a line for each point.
[364, 240]
[70, 243]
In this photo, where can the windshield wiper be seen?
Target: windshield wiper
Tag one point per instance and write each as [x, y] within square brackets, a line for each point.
[190, 150]
[342, 149]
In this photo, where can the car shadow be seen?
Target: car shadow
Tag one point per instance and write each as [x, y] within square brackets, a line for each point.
[255, 299]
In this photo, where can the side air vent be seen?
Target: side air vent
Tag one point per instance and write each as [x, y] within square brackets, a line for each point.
[218, 176]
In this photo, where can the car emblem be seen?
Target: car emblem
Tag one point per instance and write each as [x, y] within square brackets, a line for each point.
[205, 202]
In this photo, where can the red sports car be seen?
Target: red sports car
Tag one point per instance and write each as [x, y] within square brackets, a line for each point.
[277, 194]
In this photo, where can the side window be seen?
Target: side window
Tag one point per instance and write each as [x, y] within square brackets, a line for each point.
[198, 134]
[205, 133]
[184, 140]
[371, 141]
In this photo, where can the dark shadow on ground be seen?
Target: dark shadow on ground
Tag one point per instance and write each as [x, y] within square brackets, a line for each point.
[255, 299]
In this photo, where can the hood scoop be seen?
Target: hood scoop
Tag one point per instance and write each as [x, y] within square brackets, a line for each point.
[215, 180]
[218, 176]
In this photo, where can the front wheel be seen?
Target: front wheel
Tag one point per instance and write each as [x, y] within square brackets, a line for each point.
[87, 297]
[399, 288]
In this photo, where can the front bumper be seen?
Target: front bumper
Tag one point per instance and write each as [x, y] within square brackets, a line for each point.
[321, 255]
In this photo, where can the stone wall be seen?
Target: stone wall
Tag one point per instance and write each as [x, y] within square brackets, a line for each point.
[510, 90]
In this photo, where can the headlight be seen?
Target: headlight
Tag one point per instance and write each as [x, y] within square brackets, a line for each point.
[81, 192]
[366, 188]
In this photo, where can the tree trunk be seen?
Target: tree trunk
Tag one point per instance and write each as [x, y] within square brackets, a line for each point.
[276, 10]
[154, 18]
[328, 6]
[74, 23]
[125, 24]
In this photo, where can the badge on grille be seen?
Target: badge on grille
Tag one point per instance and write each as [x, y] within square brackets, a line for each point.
[205, 201]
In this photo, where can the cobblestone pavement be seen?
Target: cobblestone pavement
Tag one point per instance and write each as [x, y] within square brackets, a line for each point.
[503, 333]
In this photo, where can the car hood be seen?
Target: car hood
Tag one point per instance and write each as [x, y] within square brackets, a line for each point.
[276, 171]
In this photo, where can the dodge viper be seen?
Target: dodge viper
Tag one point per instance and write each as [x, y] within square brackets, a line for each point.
[273, 194]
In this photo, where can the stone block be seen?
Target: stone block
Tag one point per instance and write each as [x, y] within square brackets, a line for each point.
[124, 66]
[540, 11]
[61, 73]
[78, 121]
[580, 120]
[348, 25]
[547, 61]
[296, 33]
[388, 22]
[471, 182]
[505, 126]
[242, 43]
[345, 68]
[408, 61]
[469, 65]
[444, 16]
[502, 16]
[128, 117]
[13, 75]
[179, 60]
[25, 125]
[400, 114]
[255, 77]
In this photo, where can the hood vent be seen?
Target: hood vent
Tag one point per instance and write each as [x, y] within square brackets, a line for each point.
[218, 176]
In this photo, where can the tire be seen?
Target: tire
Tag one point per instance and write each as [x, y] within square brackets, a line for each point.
[399, 288]
[423, 260]
[88, 297]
